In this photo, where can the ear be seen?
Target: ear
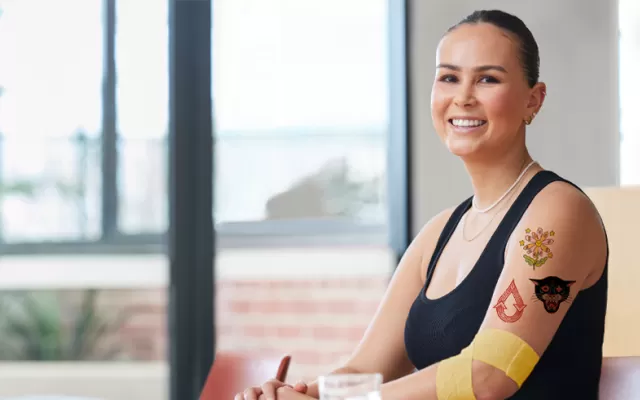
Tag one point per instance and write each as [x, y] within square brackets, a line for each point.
[535, 281]
[537, 95]
[570, 283]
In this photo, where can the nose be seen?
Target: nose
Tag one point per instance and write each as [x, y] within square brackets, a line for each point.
[465, 96]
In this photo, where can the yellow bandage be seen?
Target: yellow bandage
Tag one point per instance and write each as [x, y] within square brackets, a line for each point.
[453, 377]
[507, 352]
[500, 349]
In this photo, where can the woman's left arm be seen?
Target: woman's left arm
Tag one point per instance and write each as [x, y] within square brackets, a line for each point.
[558, 245]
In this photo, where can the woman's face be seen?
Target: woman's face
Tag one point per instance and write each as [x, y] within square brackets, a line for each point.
[480, 95]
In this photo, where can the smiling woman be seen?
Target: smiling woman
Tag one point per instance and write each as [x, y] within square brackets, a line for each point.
[480, 305]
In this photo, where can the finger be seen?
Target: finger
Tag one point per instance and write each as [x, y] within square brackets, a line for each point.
[269, 390]
[287, 392]
[281, 375]
[300, 387]
[251, 394]
[239, 396]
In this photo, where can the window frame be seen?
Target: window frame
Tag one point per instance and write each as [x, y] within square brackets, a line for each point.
[269, 233]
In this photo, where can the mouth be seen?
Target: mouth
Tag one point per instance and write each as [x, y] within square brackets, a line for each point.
[466, 125]
[552, 306]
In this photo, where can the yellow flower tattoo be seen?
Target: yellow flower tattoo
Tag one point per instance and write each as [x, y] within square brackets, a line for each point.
[536, 244]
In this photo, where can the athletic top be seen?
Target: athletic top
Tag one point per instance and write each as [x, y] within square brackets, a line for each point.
[441, 328]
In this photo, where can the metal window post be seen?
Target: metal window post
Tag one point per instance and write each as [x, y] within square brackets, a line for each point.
[399, 136]
[109, 123]
[191, 236]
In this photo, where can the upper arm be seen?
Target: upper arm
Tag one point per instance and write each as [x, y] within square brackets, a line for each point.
[556, 246]
[382, 348]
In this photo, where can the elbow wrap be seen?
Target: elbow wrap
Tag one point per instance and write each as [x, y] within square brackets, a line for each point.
[500, 349]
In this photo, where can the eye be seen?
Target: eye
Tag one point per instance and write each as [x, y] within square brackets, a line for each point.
[545, 288]
[559, 289]
[489, 79]
[448, 79]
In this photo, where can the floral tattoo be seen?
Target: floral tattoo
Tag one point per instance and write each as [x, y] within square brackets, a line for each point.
[536, 245]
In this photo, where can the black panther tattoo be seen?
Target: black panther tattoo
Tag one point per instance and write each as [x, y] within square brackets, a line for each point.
[552, 291]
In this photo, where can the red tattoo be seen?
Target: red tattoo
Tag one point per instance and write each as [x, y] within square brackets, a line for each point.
[519, 304]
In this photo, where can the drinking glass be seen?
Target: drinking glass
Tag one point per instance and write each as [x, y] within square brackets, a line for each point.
[350, 387]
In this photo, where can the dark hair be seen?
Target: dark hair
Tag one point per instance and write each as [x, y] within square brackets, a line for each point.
[529, 55]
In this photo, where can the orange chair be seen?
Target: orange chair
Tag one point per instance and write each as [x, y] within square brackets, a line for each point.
[620, 379]
[232, 373]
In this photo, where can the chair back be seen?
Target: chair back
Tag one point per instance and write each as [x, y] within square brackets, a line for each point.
[620, 379]
[232, 373]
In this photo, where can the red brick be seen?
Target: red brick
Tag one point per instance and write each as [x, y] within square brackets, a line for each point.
[324, 332]
[288, 331]
[241, 307]
[268, 307]
[304, 306]
[341, 306]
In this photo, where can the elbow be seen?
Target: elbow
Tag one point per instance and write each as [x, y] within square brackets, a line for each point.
[490, 383]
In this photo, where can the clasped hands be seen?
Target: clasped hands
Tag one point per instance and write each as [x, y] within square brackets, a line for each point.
[275, 390]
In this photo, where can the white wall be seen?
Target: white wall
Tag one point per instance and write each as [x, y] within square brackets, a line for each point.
[576, 134]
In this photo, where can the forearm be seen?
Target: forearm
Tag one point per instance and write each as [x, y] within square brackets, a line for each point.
[420, 385]
[487, 383]
[313, 389]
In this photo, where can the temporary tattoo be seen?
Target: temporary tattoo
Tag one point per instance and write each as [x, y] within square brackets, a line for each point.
[552, 291]
[536, 244]
[519, 305]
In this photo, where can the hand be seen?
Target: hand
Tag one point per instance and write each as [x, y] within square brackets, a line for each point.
[268, 390]
[289, 393]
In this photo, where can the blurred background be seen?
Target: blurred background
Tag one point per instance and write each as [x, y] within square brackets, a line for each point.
[326, 164]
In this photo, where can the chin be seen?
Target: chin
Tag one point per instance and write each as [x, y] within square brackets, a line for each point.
[464, 148]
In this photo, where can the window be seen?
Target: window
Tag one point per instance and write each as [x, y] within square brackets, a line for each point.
[629, 15]
[50, 120]
[142, 103]
[300, 97]
[301, 103]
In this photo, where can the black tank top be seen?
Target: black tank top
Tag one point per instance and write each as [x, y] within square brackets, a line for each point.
[440, 328]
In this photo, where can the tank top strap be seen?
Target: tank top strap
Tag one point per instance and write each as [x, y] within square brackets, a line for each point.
[513, 216]
[445, 235]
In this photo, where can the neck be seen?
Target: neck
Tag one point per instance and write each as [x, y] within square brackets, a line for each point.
[490, 179]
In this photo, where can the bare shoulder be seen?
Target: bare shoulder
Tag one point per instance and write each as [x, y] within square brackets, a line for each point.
[427, 238]
[563, 201]
[563, 211]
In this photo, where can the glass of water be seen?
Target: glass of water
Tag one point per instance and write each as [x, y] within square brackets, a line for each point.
[350, 387]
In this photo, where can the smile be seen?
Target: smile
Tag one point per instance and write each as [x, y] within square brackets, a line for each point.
[467, 123]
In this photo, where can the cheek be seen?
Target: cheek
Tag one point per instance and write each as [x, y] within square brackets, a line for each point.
[438, 104]
[501, 105]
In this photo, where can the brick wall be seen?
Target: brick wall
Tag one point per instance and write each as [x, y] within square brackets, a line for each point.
[318, 321]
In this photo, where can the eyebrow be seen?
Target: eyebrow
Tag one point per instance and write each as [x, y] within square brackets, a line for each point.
[481, 68]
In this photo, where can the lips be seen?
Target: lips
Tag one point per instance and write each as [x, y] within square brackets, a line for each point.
[467, 123]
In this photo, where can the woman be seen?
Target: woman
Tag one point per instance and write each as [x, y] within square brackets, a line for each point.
[527, 254]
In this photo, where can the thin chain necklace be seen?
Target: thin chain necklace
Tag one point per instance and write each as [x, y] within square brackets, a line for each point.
[464, 217]
[464, 223]
[492, 206]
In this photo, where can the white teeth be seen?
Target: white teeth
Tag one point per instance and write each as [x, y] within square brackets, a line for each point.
[468, 122]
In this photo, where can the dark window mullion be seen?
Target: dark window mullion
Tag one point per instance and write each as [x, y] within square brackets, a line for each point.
[191, 236]
[109, 123]
[399, 135]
